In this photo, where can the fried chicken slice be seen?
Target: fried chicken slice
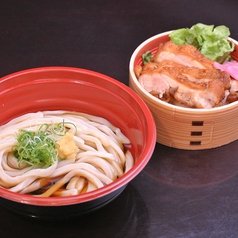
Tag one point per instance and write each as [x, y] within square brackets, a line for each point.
[186, 55]
[191, 86]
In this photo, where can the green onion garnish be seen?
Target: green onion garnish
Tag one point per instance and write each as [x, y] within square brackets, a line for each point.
[37, 149]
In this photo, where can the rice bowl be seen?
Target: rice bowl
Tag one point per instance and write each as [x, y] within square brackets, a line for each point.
[185, 128]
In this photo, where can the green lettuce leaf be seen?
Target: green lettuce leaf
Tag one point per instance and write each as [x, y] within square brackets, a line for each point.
[211, 42]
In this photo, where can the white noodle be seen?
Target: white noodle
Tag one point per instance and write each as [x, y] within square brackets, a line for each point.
[80, 184]
[101, 158]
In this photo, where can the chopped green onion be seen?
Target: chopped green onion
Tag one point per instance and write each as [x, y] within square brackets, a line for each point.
[60, 128]
[37, 149]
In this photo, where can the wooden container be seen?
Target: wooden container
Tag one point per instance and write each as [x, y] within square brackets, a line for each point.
[185, 128]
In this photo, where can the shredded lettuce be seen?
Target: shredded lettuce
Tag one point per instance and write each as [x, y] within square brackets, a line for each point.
[211, 42]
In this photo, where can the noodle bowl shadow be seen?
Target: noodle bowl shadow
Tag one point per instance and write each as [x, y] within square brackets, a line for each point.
[74, 89]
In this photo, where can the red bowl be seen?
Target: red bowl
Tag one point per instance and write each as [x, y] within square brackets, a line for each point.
[66, 88]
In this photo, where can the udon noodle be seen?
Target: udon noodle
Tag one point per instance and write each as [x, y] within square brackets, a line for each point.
[99, 156]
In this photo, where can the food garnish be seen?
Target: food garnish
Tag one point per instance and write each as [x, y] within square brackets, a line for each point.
[66, 147]
[211, 42]
[146, 57]
[230, 67]
[38, 148]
